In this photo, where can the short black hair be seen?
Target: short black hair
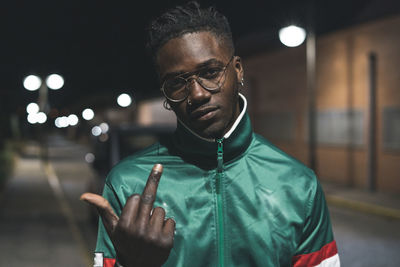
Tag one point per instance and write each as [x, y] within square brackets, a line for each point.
[187, 18]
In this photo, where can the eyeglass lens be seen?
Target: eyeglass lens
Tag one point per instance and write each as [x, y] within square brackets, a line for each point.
[209, 78]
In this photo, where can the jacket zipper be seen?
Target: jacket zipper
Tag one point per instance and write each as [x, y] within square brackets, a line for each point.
[220, 219]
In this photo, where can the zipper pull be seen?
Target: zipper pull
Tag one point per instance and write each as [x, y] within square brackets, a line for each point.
[220, 155]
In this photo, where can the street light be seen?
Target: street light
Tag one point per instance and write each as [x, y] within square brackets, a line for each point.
[88, 114]
[54, 81]
[32, 108]
[72, 120]
[293, 36]
[33, 83]
[124, 100]
[39, 117]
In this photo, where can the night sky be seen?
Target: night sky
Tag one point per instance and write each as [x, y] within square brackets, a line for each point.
[98, 46]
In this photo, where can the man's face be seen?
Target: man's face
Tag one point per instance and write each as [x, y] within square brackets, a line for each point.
[210, 114]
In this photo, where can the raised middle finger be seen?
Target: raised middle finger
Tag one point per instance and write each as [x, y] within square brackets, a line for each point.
[149, 193]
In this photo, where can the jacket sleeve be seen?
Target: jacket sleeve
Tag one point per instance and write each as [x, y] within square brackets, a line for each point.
[105, 255]
[317, 246]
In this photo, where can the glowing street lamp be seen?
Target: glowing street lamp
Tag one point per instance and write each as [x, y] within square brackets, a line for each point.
[32, 108]
[124, 100]
[88, 114]
[39, 117]
[96, 131]
[72, 120]
[292, 36]
[54, 81]
[33, 83]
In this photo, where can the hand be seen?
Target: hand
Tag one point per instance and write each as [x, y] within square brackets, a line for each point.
[140, 237]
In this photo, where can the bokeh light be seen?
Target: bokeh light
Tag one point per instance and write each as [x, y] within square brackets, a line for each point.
[88, 114]
[96, 130]
[32, 108]
[124, 100]
[292, 36]
[89, 157]
[32, 83]
[61, 122]
[32, 118]
[104, 127]
[55, 81]
[41, 117]
[72, 120]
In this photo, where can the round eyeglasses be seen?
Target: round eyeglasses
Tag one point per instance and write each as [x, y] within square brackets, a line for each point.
[210, 78]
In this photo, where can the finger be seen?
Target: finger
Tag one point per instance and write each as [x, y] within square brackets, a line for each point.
[130, 210]
[169, 227]
[157, 218]
[106, 212]
[149, 193]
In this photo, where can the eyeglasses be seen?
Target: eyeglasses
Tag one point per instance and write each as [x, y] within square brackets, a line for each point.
[210, 78]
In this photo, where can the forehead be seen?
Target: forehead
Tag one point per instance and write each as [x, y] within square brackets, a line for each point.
[185, 53]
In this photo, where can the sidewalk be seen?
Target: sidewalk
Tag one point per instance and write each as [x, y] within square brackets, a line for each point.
[375, 203]
[42, 221]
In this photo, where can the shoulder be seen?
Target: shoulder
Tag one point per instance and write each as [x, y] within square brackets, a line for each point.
[283, 168]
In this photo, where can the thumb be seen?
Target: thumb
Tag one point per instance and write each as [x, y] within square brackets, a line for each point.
[106, 212]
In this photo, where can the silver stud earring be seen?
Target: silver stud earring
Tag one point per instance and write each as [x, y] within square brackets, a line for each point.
[242, 82]
[166, 105]
[189, 102]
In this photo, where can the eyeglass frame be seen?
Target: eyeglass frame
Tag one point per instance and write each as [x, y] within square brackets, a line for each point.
[195, 73]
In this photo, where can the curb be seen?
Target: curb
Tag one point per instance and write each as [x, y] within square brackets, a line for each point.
[370, 208]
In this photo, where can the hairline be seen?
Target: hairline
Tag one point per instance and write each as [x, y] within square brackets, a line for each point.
[221, 39]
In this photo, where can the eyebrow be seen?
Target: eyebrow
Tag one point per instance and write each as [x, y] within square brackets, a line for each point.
[200, 66]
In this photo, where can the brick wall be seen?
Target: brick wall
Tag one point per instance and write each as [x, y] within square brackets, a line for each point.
[276, 88]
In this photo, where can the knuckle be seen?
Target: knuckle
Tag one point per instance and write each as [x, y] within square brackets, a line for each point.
[147, 198]
[123, 226]
[166, 243]
[159, 211]
[152, 238]
[141, 231]
[134, 198]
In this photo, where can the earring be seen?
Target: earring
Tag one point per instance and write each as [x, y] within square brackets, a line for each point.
[166, 105]
[189, 102]
[242, 82]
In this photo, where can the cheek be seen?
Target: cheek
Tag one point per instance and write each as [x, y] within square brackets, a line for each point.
[179, 109]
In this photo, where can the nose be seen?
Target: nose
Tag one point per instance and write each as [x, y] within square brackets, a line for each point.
[197, 93]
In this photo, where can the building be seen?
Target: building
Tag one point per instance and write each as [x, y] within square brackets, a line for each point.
[348, 62]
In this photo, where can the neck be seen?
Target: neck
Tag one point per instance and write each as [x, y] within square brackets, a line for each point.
[240, 111]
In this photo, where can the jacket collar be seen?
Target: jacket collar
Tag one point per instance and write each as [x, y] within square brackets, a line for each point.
[236, 140]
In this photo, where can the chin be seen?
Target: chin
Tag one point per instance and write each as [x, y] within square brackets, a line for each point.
[212, 131]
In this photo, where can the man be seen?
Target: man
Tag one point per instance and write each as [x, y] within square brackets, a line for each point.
[227, 197]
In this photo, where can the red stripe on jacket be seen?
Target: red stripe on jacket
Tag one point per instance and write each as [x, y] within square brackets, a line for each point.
[108, 262]
[316, 257]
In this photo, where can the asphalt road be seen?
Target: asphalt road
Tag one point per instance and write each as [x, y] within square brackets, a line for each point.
[366, 240]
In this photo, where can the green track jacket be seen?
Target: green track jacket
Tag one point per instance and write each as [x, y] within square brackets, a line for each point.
[238, 201]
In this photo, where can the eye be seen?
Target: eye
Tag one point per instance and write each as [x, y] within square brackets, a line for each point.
[175, 84]
[210, 73]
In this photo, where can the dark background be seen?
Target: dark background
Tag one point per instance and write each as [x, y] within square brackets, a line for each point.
[98, 46]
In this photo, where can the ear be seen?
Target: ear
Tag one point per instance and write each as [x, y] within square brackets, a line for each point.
[237, 64]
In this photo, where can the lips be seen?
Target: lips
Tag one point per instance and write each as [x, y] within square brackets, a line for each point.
[203, 113]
